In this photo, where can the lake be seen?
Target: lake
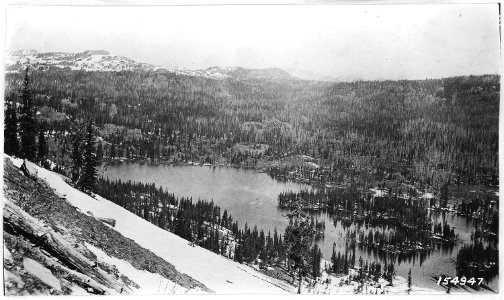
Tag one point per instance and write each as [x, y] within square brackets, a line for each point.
[251, 197]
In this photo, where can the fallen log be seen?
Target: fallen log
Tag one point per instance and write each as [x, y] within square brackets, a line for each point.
[79, 278]
[109, 221]
[22, 223]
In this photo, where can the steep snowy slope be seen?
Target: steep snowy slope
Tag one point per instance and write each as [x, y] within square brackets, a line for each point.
[51, 247]
[215, 272]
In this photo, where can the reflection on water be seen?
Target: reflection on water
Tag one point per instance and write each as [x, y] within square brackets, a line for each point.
[251, 197]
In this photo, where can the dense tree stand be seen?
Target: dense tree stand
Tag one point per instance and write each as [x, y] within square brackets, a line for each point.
[88, 177]
[28, 125]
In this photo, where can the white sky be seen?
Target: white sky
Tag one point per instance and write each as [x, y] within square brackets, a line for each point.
[364, 41]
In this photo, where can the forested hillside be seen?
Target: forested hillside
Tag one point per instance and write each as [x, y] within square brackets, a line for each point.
[427, 133]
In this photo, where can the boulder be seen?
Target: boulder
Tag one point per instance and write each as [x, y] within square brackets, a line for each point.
[29, 169]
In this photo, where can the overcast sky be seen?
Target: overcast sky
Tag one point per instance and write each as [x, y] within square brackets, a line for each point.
[364, 41]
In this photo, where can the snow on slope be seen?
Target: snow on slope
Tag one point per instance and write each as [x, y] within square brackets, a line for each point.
[90, 60]
[216, 272]
[149, 283]
[100, 60]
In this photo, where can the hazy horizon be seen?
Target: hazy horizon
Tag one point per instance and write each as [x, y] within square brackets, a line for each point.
[356, 41]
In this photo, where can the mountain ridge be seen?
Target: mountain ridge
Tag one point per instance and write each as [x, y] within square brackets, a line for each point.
[102, 60]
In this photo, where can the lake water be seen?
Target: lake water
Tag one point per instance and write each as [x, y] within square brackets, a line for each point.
[251, 197]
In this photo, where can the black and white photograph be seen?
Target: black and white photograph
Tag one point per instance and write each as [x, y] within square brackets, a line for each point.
[300, 147]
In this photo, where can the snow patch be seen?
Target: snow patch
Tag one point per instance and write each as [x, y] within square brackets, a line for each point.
[427, 196]
[16, 161]
[313, 165]
[149, 283]
[378, 193]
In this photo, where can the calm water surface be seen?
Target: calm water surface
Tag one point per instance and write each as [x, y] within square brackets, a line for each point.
[251, 197]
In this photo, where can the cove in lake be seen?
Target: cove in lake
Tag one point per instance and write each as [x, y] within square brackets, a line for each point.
[251, 197]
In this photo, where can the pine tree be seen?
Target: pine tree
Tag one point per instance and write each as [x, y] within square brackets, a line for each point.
[76, 160]
[334, 261]
[224, 222]
[299, 237]
[99, 152]
[42, 146]
[391, 273]
[316, 259]
[89, 167]
[361, 270]
[409, 282]
[113, 151]
[27, 126]
[239, 253]
[11, 143]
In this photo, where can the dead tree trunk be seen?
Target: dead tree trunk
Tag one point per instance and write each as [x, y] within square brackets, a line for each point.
[73, 276]
[300, 282]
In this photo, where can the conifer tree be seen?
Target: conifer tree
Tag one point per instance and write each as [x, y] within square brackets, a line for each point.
[299, 237]
[409, 282]
[99, 152]
[11, 144]
[316, 259]
[239, 253]
[27, 126]
[224, 219]
[89, 165]
[76, 160]
[334, 260]
[391, 273]
[42, 146]
[113, 151]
